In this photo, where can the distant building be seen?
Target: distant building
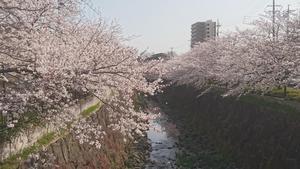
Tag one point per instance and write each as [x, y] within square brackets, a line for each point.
[202, 31]
[158, 56]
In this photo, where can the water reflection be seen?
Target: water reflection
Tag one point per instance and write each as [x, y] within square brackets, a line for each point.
[163, 137]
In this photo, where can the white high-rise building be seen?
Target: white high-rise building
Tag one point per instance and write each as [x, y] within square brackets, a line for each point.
[202, 31]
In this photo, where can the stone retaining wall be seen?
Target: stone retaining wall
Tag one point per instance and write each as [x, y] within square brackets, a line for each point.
[30, 136]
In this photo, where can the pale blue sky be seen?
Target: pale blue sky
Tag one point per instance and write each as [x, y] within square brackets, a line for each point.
[162, 24]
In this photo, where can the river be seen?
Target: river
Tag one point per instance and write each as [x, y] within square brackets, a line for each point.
[163, 137]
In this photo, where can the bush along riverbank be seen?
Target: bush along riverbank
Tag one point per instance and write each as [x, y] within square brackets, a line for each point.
[251, 132]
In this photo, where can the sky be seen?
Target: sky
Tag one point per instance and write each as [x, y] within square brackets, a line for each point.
[160, 25]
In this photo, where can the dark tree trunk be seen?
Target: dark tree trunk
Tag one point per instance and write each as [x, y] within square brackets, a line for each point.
[284, 92]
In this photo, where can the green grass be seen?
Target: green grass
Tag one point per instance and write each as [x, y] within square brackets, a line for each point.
[184, 160]
[206, 160]
[14, 160]
[268, 102]
[46, 139]
[1, 120]
[292, 93]
[87, 112]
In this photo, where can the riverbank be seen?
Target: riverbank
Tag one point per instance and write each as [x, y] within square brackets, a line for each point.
[246, 133]
[66, 152]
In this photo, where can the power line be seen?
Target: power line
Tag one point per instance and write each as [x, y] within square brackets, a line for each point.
[254, 5]
[249, 19]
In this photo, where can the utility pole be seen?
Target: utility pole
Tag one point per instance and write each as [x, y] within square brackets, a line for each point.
[288, 22]
[4, 89]
[273, 12]
[287, 39]
[274, 21]
[289, 12]
[172, 51]
[3, 82]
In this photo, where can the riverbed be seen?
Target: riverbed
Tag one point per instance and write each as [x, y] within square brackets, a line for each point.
[163, 137]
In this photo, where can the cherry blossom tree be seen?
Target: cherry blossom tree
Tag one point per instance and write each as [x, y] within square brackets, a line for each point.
[51, 56]
[22, 25]
[243, 61]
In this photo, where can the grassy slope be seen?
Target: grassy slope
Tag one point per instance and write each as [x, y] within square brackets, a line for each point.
[256, 131]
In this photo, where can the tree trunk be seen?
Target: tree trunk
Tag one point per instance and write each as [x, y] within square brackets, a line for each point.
[284, 92]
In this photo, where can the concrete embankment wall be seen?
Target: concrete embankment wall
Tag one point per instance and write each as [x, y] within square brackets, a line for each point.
[115, 153]
[29, 136]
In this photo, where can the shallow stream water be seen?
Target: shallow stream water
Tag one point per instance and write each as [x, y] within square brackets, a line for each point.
[162, 136]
